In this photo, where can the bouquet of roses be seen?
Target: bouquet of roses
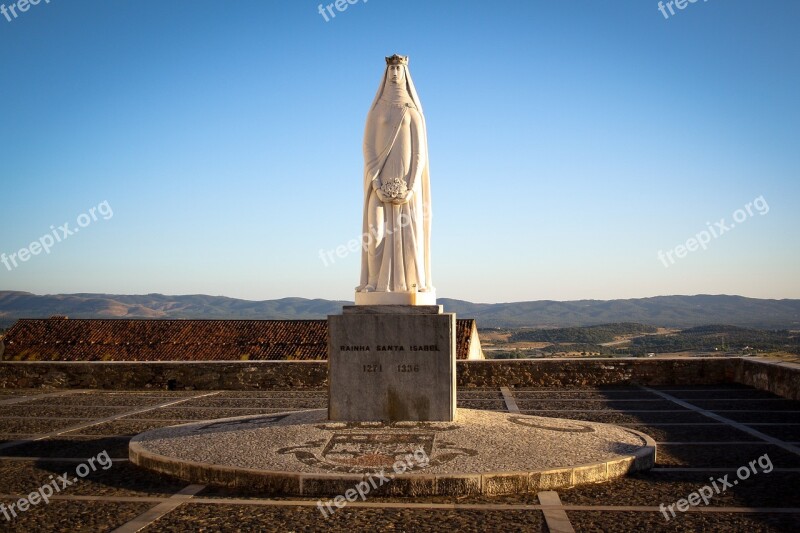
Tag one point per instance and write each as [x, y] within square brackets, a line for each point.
[394, 188]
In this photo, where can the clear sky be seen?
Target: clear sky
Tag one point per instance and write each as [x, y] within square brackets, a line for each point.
[570, 141]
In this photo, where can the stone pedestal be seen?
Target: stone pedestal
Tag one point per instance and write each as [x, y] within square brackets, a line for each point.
[392, 363]
[396, 298]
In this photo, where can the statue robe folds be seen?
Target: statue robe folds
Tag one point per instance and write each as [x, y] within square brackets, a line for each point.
[397, 256]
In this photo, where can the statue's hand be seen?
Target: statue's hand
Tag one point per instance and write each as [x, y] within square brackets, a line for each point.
[382, 197]
[405, 199]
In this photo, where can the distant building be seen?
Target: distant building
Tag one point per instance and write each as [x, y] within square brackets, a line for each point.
[63, 339]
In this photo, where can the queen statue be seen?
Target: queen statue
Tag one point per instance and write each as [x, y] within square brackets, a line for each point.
[396, 261]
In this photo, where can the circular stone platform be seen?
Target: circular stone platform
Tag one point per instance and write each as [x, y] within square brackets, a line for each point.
[481, 452]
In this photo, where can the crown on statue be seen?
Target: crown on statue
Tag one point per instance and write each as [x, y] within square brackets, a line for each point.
[397, 60]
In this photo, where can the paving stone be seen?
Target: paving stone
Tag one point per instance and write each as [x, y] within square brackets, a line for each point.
[584, 389]
[763, 405]
[73, 516]
[34, 426]
[711, 432]
[584, 395]
[655, 488]
[120, 479]
[615, 417]
[128, 400]
[210, 518]
[30, 392]
[304, 394]
[71, 447]
[258, 403]
[717, 395]
[593, 521]
[784, 433]
[722, 456]
[723, 387]
[489, 394]
[762, 417]
[128, 427]
[205, 413]
[594, 405]
[486, 405]
[65, 411]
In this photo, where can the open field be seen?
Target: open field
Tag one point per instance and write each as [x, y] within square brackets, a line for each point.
[637, 340]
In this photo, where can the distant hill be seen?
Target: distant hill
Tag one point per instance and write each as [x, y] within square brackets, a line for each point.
[667, 311]
[14, 305]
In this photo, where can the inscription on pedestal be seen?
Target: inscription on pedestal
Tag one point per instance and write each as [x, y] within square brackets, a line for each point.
[392, 366]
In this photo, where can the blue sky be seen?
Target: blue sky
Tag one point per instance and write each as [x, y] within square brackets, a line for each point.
[570, 142]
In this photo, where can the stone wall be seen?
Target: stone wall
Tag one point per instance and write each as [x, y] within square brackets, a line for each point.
[779, 378]
[593, 372]
[782, 379]
[222, 375]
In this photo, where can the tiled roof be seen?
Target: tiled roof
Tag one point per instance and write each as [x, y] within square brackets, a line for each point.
[61, 339]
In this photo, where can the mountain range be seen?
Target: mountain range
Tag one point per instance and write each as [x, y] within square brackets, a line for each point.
[665, 311]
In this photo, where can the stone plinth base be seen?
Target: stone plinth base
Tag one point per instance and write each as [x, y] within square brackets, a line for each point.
[396, 298]
[481, 452]
[392, 363]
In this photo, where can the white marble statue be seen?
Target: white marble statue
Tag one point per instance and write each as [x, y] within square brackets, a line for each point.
[396, 263]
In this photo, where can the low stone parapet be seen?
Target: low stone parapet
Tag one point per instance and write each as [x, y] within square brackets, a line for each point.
[779, 378]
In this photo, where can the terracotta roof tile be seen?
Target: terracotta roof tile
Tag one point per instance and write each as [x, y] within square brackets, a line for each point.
[59, 339]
